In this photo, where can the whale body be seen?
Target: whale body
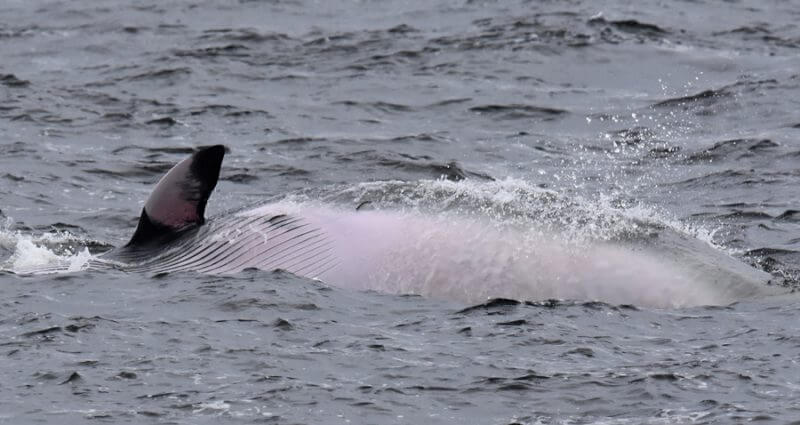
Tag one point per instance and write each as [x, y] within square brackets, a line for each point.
[448, 256]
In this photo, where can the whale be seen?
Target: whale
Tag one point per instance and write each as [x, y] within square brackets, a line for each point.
[464, 258]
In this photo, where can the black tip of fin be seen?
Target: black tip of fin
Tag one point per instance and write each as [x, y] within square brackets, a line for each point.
[180, 197]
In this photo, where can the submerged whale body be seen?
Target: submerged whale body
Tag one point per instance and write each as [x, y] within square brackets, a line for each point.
[444, 255]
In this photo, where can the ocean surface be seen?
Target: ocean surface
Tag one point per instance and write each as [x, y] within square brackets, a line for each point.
[610, 122]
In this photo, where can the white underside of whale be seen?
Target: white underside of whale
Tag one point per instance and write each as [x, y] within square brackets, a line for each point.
[470, 260]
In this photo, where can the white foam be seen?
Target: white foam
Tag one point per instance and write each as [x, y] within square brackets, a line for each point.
[31, 254]
[27, 255]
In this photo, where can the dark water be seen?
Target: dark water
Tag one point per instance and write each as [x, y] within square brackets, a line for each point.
[680, 114]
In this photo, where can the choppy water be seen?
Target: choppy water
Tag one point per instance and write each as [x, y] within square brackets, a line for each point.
[603, 120]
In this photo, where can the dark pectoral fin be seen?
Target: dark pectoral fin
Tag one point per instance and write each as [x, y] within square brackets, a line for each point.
[180, 197]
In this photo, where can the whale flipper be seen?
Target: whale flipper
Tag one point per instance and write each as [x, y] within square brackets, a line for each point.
[179, 200]
[170, 238]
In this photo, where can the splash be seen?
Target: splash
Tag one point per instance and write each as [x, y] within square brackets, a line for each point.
[49, 252]
[576, 219]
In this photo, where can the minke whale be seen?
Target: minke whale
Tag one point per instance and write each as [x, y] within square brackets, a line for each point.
[447, 256]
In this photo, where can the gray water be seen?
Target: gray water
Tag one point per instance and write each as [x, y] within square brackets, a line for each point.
[677, 115]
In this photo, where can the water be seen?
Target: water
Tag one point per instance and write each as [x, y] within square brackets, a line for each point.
[600, 121]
